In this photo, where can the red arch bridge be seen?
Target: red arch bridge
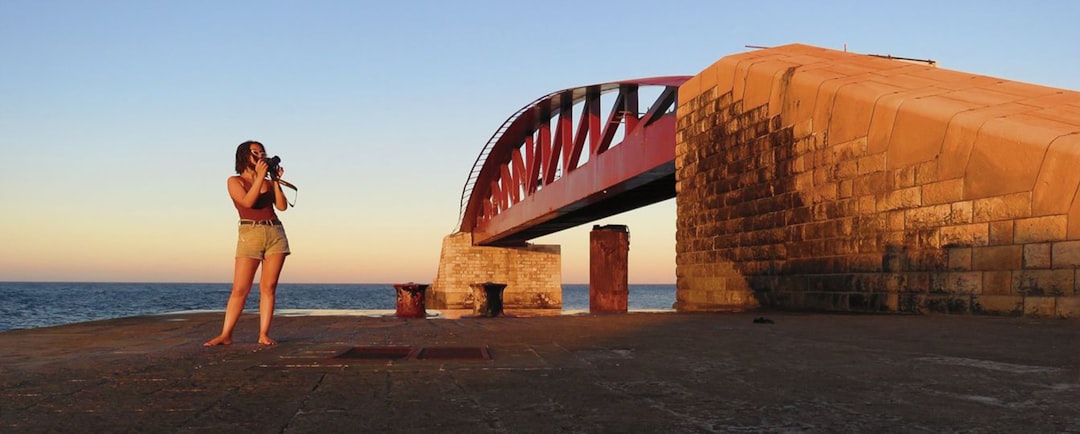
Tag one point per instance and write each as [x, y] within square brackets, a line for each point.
[571, 157]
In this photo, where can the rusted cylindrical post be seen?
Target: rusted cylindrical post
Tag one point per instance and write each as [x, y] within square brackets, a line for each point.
[488, 298]
[609, 251]
[410, 300]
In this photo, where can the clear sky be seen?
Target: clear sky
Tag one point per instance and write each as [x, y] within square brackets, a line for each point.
[119, 119]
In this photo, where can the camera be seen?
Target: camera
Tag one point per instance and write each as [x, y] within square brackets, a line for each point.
[274, 164]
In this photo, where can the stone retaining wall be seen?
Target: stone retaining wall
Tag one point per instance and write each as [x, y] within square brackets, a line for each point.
[816, 179]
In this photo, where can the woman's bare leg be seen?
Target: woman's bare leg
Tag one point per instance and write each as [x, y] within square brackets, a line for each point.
[268, 281]
[243, 275]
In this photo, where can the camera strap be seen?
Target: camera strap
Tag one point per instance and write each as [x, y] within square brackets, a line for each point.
[296, 194]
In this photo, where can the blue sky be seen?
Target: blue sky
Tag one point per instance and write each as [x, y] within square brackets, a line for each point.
[118, 119]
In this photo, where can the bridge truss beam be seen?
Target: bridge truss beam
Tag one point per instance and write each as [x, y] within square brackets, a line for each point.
[540, 174]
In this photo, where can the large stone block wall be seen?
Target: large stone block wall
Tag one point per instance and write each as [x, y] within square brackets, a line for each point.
[816, 179]
[533, 274]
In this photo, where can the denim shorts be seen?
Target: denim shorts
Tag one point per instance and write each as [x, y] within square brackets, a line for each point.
[257, 241]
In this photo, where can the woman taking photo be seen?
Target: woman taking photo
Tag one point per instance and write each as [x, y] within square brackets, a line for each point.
[261, 239]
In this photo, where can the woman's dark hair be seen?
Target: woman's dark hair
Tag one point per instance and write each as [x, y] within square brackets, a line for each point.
[243, 152]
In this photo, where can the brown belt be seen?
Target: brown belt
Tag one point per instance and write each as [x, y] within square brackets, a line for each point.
[260, 222]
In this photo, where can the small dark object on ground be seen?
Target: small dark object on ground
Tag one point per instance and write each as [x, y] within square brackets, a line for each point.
[762, 320]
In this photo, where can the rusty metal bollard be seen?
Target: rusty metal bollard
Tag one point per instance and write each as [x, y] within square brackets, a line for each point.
[410, 300]
[488, 299]
[609, 250]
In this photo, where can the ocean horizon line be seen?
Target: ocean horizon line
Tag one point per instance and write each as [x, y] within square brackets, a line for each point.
[279, 283]
[46, 303]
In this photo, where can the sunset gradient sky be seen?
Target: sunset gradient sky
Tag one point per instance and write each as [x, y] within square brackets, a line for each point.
[119, 119]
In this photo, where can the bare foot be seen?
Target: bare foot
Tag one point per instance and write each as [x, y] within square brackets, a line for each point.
[220, 340]
[265, 340]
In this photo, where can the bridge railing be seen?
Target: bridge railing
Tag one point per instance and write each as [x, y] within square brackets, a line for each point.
[474, 172]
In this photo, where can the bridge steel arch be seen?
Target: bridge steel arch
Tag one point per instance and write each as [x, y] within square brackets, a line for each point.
[558, 162]
[817, 179]
[539, 173]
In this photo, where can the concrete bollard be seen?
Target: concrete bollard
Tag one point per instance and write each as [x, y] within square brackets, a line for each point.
[488, 299]
[410, 300]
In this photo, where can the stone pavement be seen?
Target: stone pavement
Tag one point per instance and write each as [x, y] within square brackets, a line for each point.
[636, 372]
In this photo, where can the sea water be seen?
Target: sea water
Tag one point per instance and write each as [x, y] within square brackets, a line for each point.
[43, 304]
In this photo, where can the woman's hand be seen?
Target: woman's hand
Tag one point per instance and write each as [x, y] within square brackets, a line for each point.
[280, 171]
[260, 169]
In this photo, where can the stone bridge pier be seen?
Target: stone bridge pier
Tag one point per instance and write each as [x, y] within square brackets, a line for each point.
[816, 179]
[532, 274]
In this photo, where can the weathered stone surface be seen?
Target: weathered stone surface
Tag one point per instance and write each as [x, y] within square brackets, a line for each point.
[890, 185]
[1058, 178]
[1037, 255]
[533, 274]
[1040, 229]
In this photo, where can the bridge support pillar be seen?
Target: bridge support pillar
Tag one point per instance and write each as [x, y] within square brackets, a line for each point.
[532, 274]
[609, 249]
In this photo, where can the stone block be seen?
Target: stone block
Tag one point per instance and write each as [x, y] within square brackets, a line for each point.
[1008, 153]
[990, 258]
[741, 68]
[946, 303]
[1001, 232]
[886, 108]
[761, 78]
[1058, 177]
[926, 172]
[1039, 306]
[919, 129]
[871, 163]
[975, 234]
[961, 133]
[1044, 282]
[877, 183]
[900, 199]
[904, 177]
[853, 106]
[1037, 255]
[709, 83]
[689, 90]
[828, 90]
[1066, 254]
[1005, 207]
[962, 212]
[916, 282]
[1067, 307]
[1040, 229]
[997, 282]
[724, 73]
[1074, 218]
[959, 258]
[1000, 304]
[943, 192]
[930, 216]
[966, 282]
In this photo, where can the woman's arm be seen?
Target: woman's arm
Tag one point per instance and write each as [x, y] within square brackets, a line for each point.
[279, 197]
[247, 197]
